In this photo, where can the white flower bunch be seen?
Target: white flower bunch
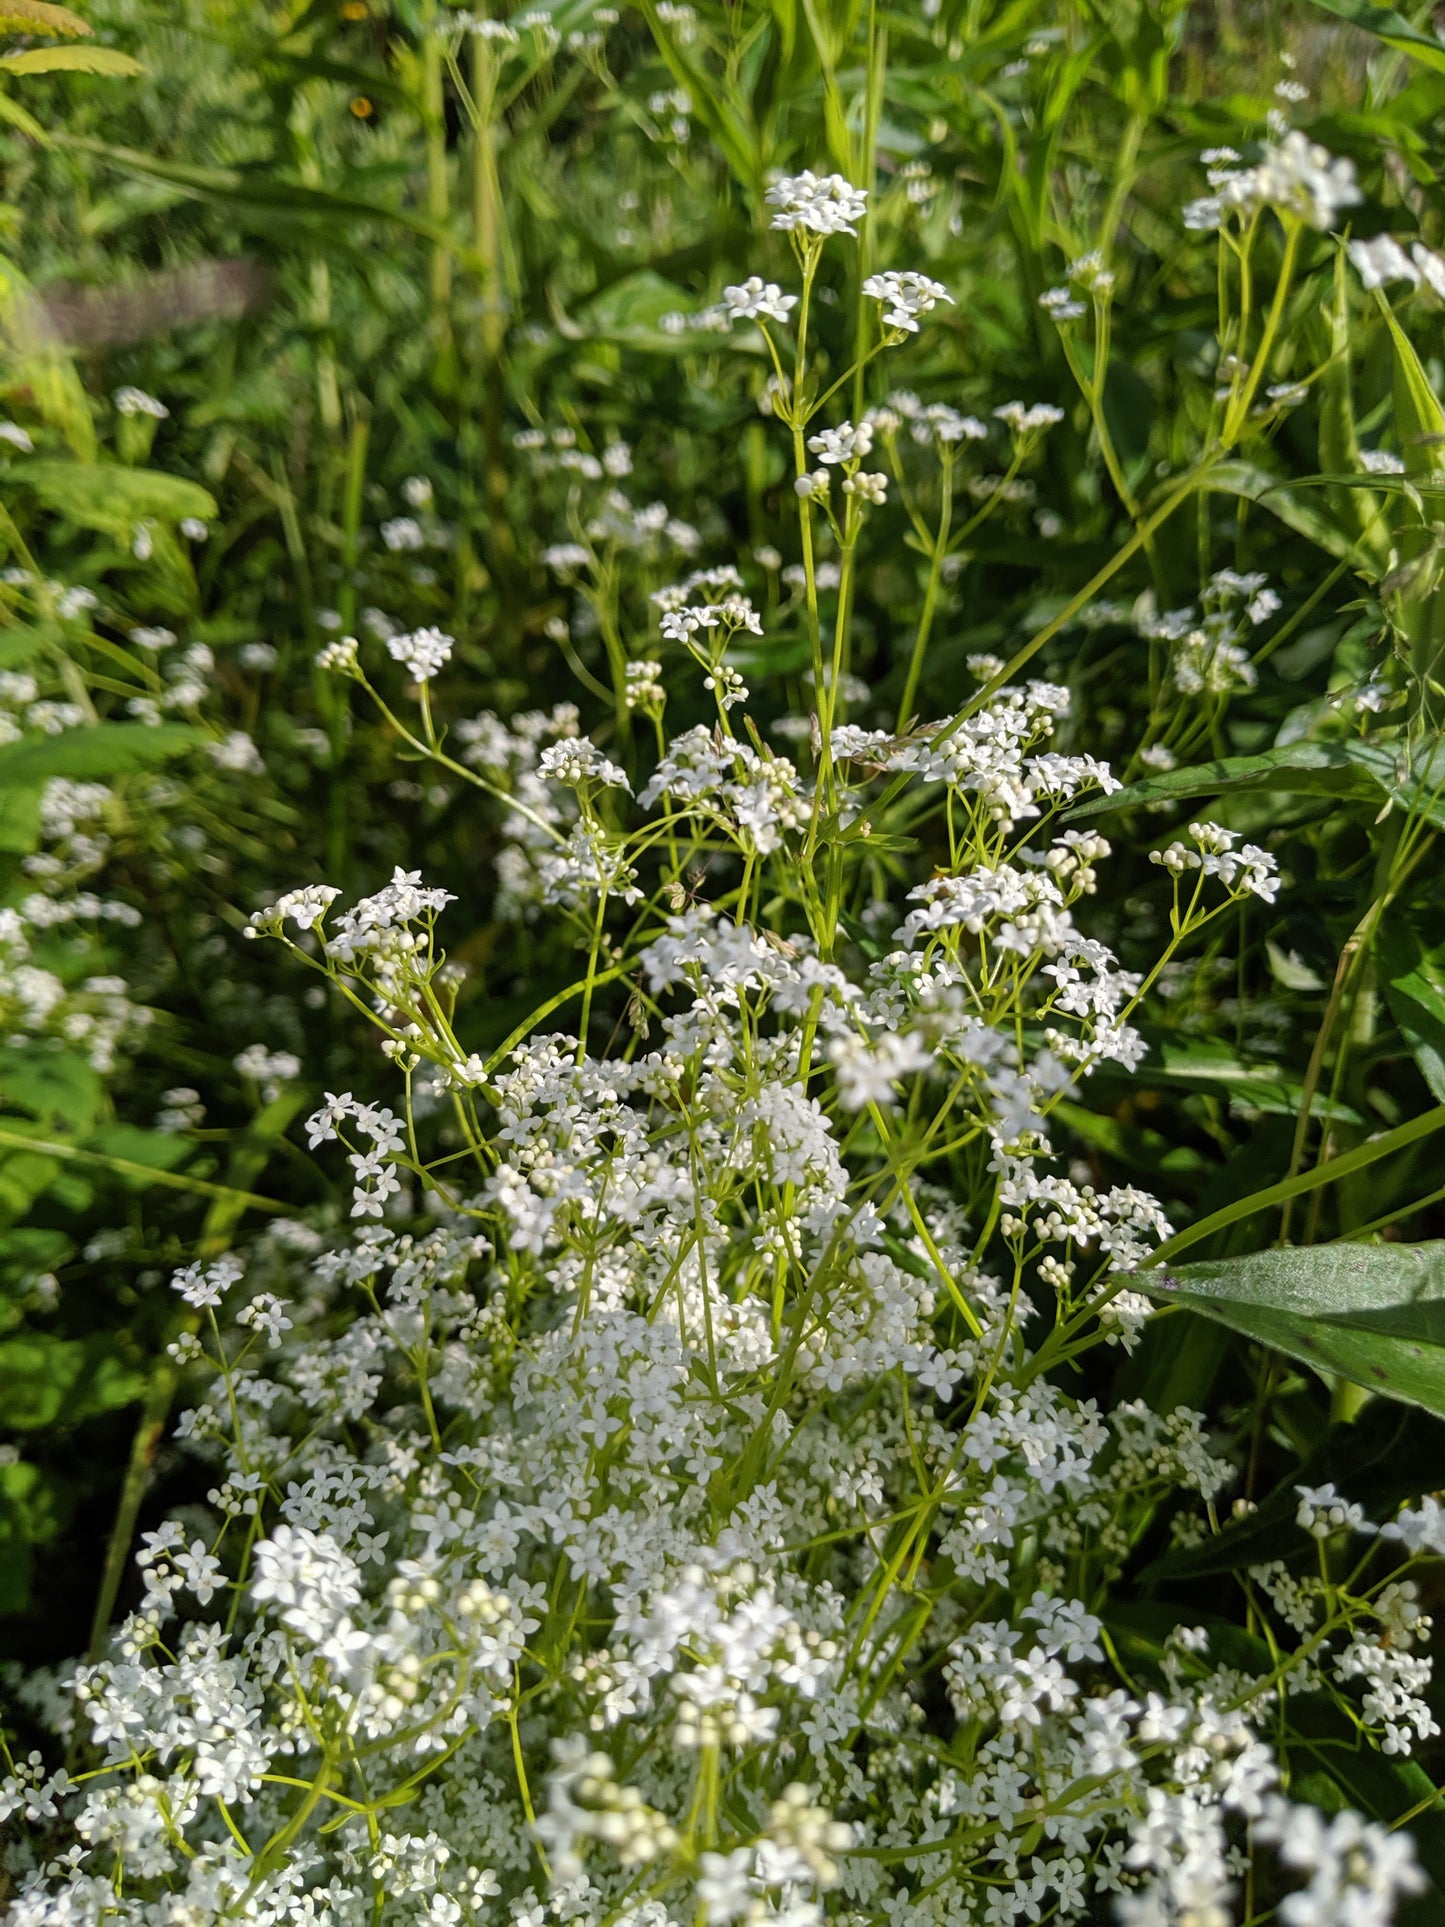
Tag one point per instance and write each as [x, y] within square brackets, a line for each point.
[677, 1495]
[809, 204]
[904, 296]
[1294, 175]
[422, 652]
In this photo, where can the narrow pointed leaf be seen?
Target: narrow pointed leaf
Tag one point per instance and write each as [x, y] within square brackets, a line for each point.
[72, 60]
[1374, 1314]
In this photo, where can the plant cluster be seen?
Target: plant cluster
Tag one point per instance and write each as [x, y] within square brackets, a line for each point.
[714, 1425]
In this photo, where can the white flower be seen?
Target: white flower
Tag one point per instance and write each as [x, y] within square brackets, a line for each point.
[577, 760]
[1062, 304]
[866, 1073]
[1381, 259]
[204, 1285]
[905, 296]
[826, 205]
[135, 401]
[1025, 420]
[758, 300]
[1293, 175]
[236, 752]
[849, 442]
[403, 533]
[422, 651]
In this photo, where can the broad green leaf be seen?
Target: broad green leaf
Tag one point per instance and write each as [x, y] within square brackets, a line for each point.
[32, 1513]
[1412, 975]
[72, 60]
[46, 1380]
[94, 752]
[1374, 1314]
[54, 1086]
[27, 1170]
[22, 644]
[40, 16]
[112, 498]
[1391, 27]
[1262, 1085]
[20, 817]
[1289, 969]
[135, 1154]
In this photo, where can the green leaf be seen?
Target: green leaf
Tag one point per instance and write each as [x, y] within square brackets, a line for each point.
[1374, 1314]
[1391, 27]
[20, 645]
[15, 114]
[32, 1513]
[1264, 1086]
[138, 1155]
[1412, 973]
[20, 818]
[112, 498]
[1419, 419]
[258, 192]
[1326, 769]
[1353, 770]
[45, 1379]
[1244, 479]
[94, 752]
[72, 60]
[54, 1086]
[40, 16]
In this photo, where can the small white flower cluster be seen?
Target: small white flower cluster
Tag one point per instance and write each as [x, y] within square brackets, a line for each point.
[269, 1070]
[904, 296]
[40, 1010]
[810, 204]
[576, 761]
[1294, 175]
[758, 300]
[1210, 652]
[1247, 872]
[1026, 421]
[930, 423]
[1381, 260]
[135, 401]
[422, 652]
[374, 1175]
[1089, 273]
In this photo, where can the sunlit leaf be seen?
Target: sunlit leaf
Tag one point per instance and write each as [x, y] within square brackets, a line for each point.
[1374, 1314]
[72, 60]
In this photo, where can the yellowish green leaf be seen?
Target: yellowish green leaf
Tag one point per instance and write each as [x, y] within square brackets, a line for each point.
[72, 60]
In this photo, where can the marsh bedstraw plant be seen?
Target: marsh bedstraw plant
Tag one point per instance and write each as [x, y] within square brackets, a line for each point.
[669, 1504]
